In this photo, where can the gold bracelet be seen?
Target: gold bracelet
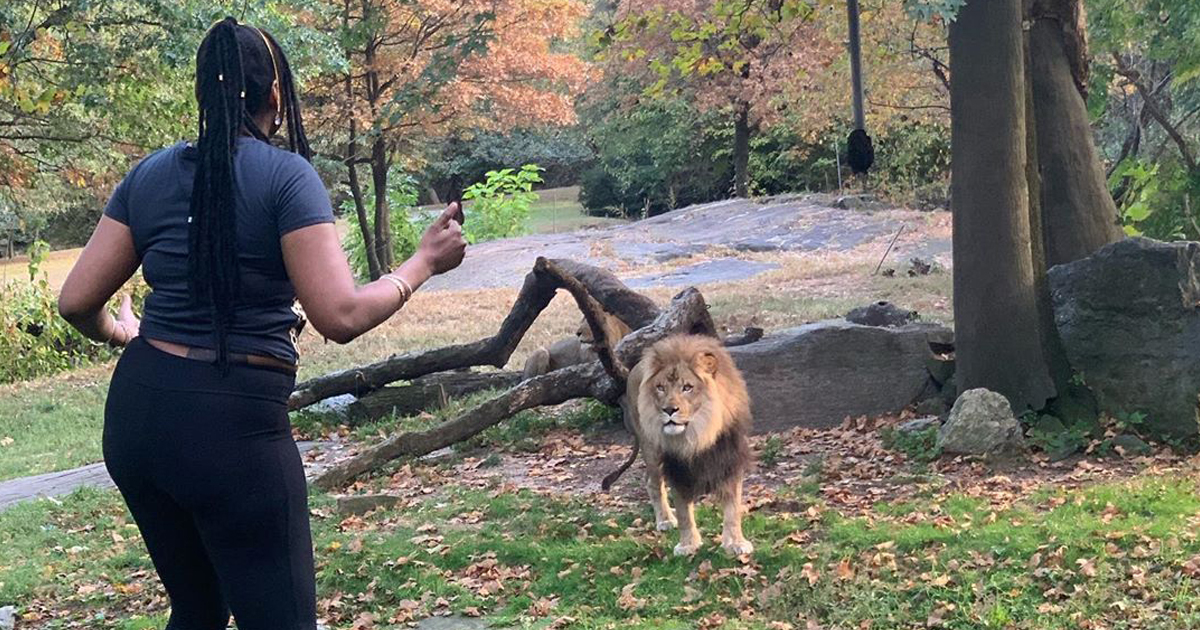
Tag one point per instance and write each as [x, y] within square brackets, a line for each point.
[396, 282]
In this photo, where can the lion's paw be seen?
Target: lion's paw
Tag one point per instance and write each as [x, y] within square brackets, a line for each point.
[666, 524]
[738, 547]
[686, 550]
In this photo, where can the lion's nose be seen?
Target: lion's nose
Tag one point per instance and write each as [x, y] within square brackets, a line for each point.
[670, 410]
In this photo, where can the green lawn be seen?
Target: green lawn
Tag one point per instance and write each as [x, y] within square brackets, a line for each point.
[51, 424]
[1117, 555]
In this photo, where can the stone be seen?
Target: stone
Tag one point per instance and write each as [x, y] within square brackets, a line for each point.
[817, 375]
[336, 410]
[920, 424]
[359, 504]
[981, 423]
[881, 314]
[8, 618]
[1129, 319]
[1130, 445]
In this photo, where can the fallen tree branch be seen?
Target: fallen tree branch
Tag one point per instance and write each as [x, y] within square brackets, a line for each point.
[580, 381]
[425, 393]
[687, 313]
[539, 288]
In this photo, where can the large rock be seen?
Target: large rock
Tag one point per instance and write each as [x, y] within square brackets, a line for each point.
[1129, 317]
[819, 374]
[981, 423]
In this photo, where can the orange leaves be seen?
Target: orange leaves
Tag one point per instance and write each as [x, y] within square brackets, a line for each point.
[438, 66]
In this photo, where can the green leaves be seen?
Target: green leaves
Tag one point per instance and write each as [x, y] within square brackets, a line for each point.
[502, 203]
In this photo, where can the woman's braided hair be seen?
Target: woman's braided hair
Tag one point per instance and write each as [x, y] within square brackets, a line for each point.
[236, 70]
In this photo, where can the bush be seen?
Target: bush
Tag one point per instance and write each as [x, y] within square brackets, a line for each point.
[34, 340]
[502, 203]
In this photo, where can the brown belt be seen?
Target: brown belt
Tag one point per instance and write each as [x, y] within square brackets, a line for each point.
[210, 356]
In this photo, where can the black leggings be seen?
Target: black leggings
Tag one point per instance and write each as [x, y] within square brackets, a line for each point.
[209, 470]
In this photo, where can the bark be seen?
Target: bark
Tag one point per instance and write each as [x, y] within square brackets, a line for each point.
[998, 340]
[538, 290]
[425, 393]
[1079, 213]
[741, 150]
[1052, 348]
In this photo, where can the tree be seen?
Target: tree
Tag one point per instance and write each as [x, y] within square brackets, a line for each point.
[744, 58]
[422, 69]
[998, 326]
[1079, 215]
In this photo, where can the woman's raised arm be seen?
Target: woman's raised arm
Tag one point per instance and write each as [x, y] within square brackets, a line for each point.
[339, 309]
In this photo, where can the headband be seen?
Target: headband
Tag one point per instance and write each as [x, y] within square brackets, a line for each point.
[275, 68]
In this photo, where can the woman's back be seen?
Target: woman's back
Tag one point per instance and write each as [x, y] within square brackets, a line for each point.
[277, 192]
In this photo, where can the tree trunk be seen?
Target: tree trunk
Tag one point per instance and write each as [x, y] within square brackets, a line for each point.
[1052, 347]
[998, 339]
[383, 223]
[1079, 214]
[741, 150]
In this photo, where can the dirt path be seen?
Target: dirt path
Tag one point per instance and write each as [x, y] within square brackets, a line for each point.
[56, 484]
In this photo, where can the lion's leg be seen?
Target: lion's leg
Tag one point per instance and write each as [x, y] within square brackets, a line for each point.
[732, 539]
[664, 519]
[689, 536]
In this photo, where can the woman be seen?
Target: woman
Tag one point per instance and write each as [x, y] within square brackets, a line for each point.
[229, 233]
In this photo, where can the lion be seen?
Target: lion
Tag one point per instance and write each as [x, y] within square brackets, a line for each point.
[688, 407]
[572, 351]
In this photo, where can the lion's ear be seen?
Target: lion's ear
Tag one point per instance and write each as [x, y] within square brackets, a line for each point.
[706, 363]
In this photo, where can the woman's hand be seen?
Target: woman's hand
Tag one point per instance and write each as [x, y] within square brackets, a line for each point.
[127, 323]
[443, 246]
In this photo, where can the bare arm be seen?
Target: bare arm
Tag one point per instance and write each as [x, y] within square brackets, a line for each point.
[339, 309]
[107, 262]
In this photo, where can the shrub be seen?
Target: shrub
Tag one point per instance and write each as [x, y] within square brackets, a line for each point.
[501, 203]
[34, 340]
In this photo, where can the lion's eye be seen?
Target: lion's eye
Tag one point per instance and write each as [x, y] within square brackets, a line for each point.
[660, 389]
[687, 387]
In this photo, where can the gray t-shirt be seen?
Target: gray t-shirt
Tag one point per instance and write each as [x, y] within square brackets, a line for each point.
[277, 192]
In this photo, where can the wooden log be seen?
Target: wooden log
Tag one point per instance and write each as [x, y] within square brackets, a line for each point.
[687, 313]
[538, 290]
[426, 393]
[579, 381]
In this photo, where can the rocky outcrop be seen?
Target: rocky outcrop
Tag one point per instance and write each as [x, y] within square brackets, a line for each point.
[1129, 318]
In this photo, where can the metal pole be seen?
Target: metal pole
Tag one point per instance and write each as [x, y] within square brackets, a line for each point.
[856, 64]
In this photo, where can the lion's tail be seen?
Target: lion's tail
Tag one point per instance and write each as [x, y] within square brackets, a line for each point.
[612, 477]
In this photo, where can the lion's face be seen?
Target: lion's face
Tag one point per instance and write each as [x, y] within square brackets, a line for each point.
[680, 396]
[687, 390]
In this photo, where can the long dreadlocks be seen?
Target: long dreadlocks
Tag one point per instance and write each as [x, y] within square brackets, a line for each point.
[237, 68]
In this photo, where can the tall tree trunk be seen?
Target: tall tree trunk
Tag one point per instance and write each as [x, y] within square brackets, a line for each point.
[360, 206]
[741, 150]
[379, 181]
[997, 340]
[364, 225]
[1079, 214]
[1052, 346]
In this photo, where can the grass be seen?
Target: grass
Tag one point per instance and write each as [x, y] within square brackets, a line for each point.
[51, 424]
[1117, 555]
